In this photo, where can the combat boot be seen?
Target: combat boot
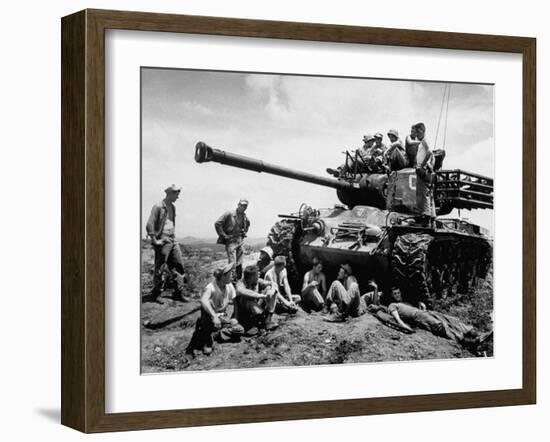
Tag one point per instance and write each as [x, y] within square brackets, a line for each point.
[270, 323]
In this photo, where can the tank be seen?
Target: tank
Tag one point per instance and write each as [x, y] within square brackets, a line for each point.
[378, 229]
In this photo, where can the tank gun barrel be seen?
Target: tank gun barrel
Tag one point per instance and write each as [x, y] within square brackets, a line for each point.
[205, 153]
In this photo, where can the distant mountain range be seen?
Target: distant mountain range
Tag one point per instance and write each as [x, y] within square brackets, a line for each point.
[203, 242]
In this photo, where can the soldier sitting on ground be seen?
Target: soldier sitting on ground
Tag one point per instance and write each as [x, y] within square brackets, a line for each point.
[265, 261]
[373, 295]
[314, 288]
[214, 324]
[344, 298]
[286, 301]
[256, 301]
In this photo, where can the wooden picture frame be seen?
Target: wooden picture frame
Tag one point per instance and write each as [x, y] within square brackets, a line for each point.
[83, 220]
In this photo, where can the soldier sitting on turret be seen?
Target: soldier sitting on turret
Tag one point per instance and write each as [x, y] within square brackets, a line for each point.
[365, 153]
[395, 155]
[377, 158]
[359, 163]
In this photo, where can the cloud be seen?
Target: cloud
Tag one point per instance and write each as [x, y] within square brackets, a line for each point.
[267, 89]
[298, 122]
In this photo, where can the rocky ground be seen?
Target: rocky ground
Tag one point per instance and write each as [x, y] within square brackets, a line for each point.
[302, 339]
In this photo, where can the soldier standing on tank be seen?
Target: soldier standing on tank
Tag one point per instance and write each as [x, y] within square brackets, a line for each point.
[411, 147]
[161, 229]
[424, 166]
[232, 227]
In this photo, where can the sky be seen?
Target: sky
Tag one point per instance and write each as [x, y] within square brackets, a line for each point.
[301, 122]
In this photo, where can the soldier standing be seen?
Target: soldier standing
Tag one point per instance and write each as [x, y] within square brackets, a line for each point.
[424, 167]
[161, 229]
[411, 147]
[232, 227]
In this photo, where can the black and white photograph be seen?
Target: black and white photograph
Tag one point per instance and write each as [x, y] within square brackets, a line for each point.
[294, 220]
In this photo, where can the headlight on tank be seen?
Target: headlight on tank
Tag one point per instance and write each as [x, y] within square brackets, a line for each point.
[318, 227]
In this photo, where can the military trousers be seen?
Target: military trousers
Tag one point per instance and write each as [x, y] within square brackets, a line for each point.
[235, 254]
[168, 257]
[348, 301]
[206, 332]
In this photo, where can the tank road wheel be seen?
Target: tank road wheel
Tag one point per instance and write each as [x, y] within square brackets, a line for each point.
[410, 266]
[281, 239]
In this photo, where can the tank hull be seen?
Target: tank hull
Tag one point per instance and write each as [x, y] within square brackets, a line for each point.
[422, 259]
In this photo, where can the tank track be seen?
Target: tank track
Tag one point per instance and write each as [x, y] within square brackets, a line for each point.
[411, 266]
[422, 269]
[281, 239]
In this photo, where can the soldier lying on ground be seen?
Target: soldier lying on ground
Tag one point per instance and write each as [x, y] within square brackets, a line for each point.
[439, 324]
[256, 301]
[314, 288]
[344, 298]
[286, 301]
[213, 324]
